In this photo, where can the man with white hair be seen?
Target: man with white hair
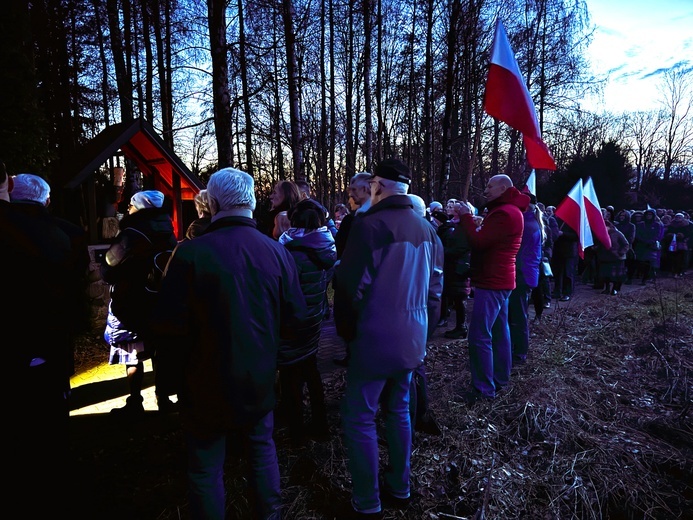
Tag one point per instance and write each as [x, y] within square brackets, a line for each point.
[389, 282]
[45, 290]
[226, 300]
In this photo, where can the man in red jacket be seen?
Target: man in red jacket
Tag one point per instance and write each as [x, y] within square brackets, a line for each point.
[494, 247]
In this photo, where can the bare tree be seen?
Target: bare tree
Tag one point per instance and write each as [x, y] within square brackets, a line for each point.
[216, 15]
[677, 103]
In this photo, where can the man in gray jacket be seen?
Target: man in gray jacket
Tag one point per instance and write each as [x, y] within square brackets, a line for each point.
[389, 283]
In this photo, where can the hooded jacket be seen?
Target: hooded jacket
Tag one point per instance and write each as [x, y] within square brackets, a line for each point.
[496, 243]
[314, 253]
[388, 286]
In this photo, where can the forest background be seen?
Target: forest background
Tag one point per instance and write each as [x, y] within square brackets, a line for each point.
[321, 90]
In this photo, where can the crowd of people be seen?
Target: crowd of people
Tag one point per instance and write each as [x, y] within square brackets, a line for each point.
[233, 325]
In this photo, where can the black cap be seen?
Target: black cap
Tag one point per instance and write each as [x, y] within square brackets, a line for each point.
[394, 170]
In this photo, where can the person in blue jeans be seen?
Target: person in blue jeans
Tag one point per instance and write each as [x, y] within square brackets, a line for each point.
[227, 299]
[387, 292]
[527, 262]
[495, 245]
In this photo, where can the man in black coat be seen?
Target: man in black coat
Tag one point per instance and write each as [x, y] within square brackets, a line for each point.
[228, 298]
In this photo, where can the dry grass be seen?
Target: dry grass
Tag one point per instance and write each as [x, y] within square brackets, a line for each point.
[597, 425]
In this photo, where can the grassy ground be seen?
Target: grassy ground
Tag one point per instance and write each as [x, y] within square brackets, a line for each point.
[597, 425]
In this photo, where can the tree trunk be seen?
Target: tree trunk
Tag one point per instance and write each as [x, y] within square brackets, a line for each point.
[216, 16]
[294, 95]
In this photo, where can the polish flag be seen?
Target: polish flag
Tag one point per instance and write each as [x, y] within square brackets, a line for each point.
[507, 98]
[572, 212]
[594, 214]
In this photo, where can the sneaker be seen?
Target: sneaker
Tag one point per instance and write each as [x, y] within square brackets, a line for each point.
[457, 333]
[614, 292]
[547, 305]
[442, 323]
[565, 298]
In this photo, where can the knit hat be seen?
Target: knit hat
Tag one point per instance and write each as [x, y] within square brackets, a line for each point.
[147, 199]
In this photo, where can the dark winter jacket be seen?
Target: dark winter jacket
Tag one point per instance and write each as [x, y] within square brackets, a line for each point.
[617, 251]
[458, 257]
[223, 304]
[648, 236]
[44, 266]
[315, 254]
[388, 287]
[128, 264]
[626, 227]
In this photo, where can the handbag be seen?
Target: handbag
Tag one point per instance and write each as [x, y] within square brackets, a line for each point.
[546, 269]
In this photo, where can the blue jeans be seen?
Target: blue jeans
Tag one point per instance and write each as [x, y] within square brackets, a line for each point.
[359, 407]
[518, 307]
[206, 473]
[490, 355]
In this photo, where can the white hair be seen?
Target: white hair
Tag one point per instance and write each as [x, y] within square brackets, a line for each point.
[419, 204]
[28, 186]
[232, 189]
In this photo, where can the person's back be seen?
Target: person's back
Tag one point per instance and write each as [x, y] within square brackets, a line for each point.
[312, 246]
[41, 267]
[389, 283]
[129, 259]
[396, 239]
[226, 298]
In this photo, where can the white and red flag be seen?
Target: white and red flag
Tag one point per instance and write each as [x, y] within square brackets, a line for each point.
[507, 98]
[594, 214]
[572, 212]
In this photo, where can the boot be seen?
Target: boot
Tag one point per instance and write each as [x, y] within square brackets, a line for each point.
[133, 409]
[457, 333]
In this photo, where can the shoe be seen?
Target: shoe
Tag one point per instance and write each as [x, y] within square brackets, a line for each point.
[389, 501]
[427, 424]
[442, 323]
[165, 405]
[519, 360]
[473, 396]
[342, 362]
[614, 292]
[133, 409]
[457, 333]
[564, 298]
[352, 514]
[547, 305]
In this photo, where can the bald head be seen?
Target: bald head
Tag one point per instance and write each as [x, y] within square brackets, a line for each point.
[496, 187]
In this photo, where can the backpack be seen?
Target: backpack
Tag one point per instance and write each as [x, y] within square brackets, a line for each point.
[157, 270]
